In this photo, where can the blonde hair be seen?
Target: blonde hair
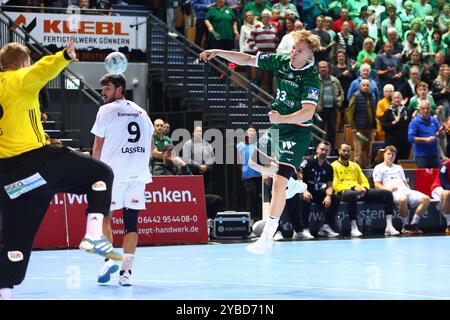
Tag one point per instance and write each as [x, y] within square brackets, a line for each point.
[13, 55]
[306, 36]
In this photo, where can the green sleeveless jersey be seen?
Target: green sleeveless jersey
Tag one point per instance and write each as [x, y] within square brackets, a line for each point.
[294, 86]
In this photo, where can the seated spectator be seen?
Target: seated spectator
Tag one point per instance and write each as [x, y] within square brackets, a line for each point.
[441, 92]
[395, 122]
[198, 154]
[166, 129]
[391, 177]
[424, 132]
[440, 191]
[86, 8]
[160, 140]
[104, 7]
[391, 22]
[361, 117]
[317, 173]
[351, 185]
[382, 106]
[285, 5]
[173, 166]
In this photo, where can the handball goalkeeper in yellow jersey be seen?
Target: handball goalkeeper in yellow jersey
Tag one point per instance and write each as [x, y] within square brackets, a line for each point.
[32, 171]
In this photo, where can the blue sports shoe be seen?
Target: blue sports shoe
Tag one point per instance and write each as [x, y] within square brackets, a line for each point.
[105, 273]
[101, 247]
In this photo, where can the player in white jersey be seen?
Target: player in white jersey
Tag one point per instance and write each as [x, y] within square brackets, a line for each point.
[123, 140]
[390, 176]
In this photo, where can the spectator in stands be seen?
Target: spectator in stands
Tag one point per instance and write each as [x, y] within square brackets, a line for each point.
[388, 67]
[382, 106]
[287, 41]
[427, 32]
[335, 8]
[286, 27]
[422, 94]
[424, 131]
[364, 73]
[436, 65]
[326, 43]
[434, 45]
[276, 21]
[410, 46]
[395, 122]
[244, 46]
[391, 22]
[406, 15]
[391, 177]
[172, 166]
[408, 87]
[222, 26]
[444, 18]
[257, 7]
[441, 89]
[345, 41]
[351, 185]
[440, 191]
[328, 27]
[283, 6]
[361, 117]
[85, 7]
[416, 26]
[361, 35]
[342, 70]
[362, 16]
[104, 7]
[377, 9]
[397, 45]
[421, 9]
[160, 140]
[251, 179]
[198, 154]
[166, 129]
[413, 58]
[311, 10]
[317, 173]
[200, 8]
[367, 52]
[330, 100]
[337, 25]
[264, 39]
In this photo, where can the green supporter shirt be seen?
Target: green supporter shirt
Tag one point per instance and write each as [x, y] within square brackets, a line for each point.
[256, 9]
[222, 21]
[294, 86]
[159, 144]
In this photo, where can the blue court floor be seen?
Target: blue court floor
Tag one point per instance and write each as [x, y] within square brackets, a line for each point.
[391, 268]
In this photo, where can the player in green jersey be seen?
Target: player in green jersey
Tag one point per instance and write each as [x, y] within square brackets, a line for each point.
[281, 149]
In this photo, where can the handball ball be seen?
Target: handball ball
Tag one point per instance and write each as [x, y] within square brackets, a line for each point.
[116, 63]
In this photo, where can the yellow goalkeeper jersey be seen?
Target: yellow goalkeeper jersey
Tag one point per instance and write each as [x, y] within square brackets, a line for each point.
[20, 124]
[346, 177]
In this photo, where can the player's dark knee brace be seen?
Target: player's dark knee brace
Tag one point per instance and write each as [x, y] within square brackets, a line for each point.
[285, 171]
[130, 219]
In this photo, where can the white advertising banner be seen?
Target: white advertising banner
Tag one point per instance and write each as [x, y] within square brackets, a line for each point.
[90, 32]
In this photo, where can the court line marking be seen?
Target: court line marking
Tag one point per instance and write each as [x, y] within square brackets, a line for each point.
[392, 293]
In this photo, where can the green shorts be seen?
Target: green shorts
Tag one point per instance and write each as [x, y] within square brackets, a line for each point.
[287, 144]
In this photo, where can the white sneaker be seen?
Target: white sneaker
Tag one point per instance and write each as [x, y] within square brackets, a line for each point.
[391, 231]
[303, 235]
[172, 34]
[260, 246]
[105, 273]
[294, 186]
[326, 231]
[355, 233]
[125, 278]
[278, 236]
